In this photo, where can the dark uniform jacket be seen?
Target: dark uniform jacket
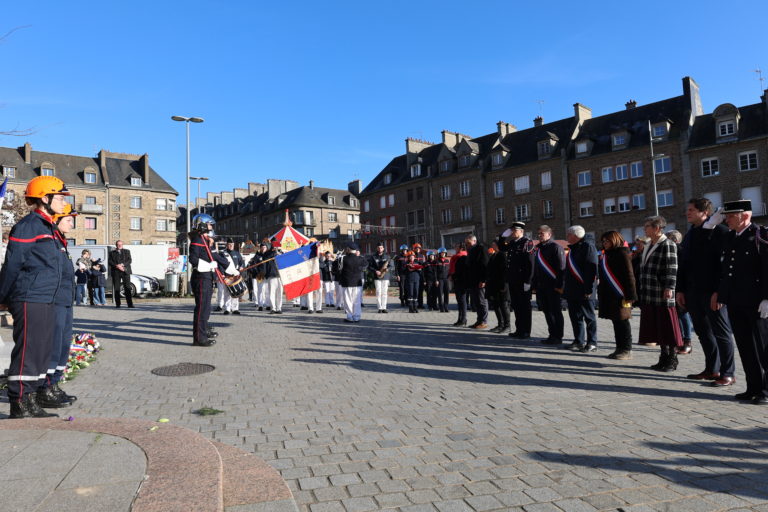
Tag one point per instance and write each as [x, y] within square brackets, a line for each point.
[619, 264]
[237, 258]
[477, 262]
[122, 256]
[377, 262]
[460, 274]
[553, 255]
[519, 261]
[198, 251]
[443, 267]
[256, 272]
[430, 271]
[325, 270]
[352, 269]
[581, 259]
[744, 272]
[497, 287]
[32, 271]
[270, 267]
[699, 260]
[400, 261]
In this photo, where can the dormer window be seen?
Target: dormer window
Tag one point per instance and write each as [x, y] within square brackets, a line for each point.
[353, 202]
[581, 148]
[445, 166]
[89, 177]
[619, 140]
[545, 148]
[659, 130]
[497, 159]
[136, 181]
[726, 128]
[9, 172]
[415, 170]
[464, 161]
[331, 200]
[387, 178]
[47, 170]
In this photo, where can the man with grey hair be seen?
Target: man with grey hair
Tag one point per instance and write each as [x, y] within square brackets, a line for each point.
[549, 264]
[581, 271]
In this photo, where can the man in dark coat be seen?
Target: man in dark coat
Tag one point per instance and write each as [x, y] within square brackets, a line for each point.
[698, 278]
[548, 275]
[477, 263]
[744, 289]
[120, 268]
[518, 251]
[400, 262]
[351, 281]
[579, 282]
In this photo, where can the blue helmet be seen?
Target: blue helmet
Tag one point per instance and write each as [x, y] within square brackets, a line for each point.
[430, 253]
[441, 249]
[201, 221]
[403, 247]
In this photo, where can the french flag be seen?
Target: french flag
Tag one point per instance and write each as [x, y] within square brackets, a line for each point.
[299, 270]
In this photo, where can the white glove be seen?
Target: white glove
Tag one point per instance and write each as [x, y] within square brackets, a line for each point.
[716, 219]
[763, 309]
[507, 232]
[526, 287]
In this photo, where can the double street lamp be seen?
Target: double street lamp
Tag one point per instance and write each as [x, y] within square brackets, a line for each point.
[188, 120]
[198, 179]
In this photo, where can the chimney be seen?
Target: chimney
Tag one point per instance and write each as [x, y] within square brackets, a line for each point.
[630, 104]
[582, 112]
[312, 184]
[144, 162]
[450, 139]
[538, 121]
[240, 193]
[27, 153]
[255, 189]
[505, 128]
[691, 91]
[764, 97]
[355, 187]
[103, 166]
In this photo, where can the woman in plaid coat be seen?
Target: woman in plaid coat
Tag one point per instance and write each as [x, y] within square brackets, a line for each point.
[658, 275]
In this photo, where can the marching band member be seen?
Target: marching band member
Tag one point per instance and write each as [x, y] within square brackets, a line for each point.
[235, 265]
[379, 266]
[204, 262]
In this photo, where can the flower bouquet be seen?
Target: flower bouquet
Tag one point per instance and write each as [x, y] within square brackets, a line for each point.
[82, 352]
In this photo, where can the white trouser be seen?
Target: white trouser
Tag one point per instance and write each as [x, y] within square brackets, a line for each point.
[221, 293]
[382, 289]
[352, 302]
[275, 293]
[260, 292]
[316, 297]
[231, 303]
[304, 301]
[329, 292]
[339, 295]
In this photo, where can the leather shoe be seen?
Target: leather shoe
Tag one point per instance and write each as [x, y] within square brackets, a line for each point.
[551, 341]
[705, 375]
[744, 396]
[480, 326]
[760, 400]
[205, 343]
[724, 381]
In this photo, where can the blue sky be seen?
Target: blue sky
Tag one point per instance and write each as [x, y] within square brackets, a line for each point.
[329, 90]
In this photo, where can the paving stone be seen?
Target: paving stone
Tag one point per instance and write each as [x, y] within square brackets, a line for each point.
[359, 504]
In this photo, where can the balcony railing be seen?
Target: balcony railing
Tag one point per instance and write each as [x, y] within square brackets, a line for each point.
[91, 208]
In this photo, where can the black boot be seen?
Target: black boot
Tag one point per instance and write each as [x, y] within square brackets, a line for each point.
[662, 361]
[61, 393]
[27, 407]
[48, 399]
[671, 363]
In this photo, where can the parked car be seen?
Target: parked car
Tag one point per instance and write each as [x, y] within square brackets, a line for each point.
[141, 286]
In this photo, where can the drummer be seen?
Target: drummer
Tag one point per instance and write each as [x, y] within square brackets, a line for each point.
[237, 264]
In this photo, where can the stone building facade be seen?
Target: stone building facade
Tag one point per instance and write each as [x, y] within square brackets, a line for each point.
[118, 195]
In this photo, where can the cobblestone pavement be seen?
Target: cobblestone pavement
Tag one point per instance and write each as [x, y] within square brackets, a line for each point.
[404, 412]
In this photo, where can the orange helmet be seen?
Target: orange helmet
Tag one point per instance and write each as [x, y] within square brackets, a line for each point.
[417, 245]
[41, 186]
[409, 253]
[69, 211]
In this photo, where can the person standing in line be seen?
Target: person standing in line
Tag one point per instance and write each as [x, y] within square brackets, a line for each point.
[120, 267]
[338, 264]
[743, 288]
[258, 282]
[458, 272]
[444, 264]
[698, 277]
[274, 284]
[477, 260]
[579, 282]
[420, 257]
[413, 272]
[497, 288]
[81, 284]
[658, 278]
[30, 279]
[204, 262]
[548, 277]
[326, 274]
[99, 283]
[351, 281]
[616, 292]
[232, 304]
[518, 251]
[85, 260]
[379, 265]
[400, 261]
[429, 273]
[686, 324]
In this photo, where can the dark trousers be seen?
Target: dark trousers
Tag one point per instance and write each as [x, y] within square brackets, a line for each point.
[202, 288]
[622, 331]
[461, 302]
[445, 286]
[435, 296]
[62, 341]
[33, 331]
[583, 321]
[501, 310]
[421, 292]
[413, 283]
[521, 306]
[750, 330]
[714, 334]
[121, 280]
[480, 303]
[549, 304]
[402, 288]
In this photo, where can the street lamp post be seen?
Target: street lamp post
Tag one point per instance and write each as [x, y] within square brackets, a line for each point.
[187, 120]
[198, 179]
[653, 171]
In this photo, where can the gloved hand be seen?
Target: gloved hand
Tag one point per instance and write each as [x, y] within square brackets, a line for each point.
[763, 309]
[717, 218]
[507, 232]
[526, 287]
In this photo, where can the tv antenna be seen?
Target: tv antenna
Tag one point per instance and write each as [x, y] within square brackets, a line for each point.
[760, 79]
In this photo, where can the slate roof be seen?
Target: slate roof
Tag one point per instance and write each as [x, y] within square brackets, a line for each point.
[523, 144]
[753, 122]
[313, 197]
[70, 169]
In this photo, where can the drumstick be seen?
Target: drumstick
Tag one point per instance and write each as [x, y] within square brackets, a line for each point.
[256, 265]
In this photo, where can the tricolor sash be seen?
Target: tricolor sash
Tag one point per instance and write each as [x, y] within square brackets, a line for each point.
[545, 266]
[572, 267]
[611, 278]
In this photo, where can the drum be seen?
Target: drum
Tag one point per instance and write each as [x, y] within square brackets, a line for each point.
[235, 285]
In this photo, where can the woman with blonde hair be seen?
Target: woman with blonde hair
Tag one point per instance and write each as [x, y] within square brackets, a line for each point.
[616, 291]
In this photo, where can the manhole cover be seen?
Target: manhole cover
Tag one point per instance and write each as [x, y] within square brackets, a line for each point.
[183, 369]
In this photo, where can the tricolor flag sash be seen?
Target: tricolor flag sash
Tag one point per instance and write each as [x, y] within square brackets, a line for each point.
[299, 271]
[573, 268]
[546, 267]
[611, 278]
